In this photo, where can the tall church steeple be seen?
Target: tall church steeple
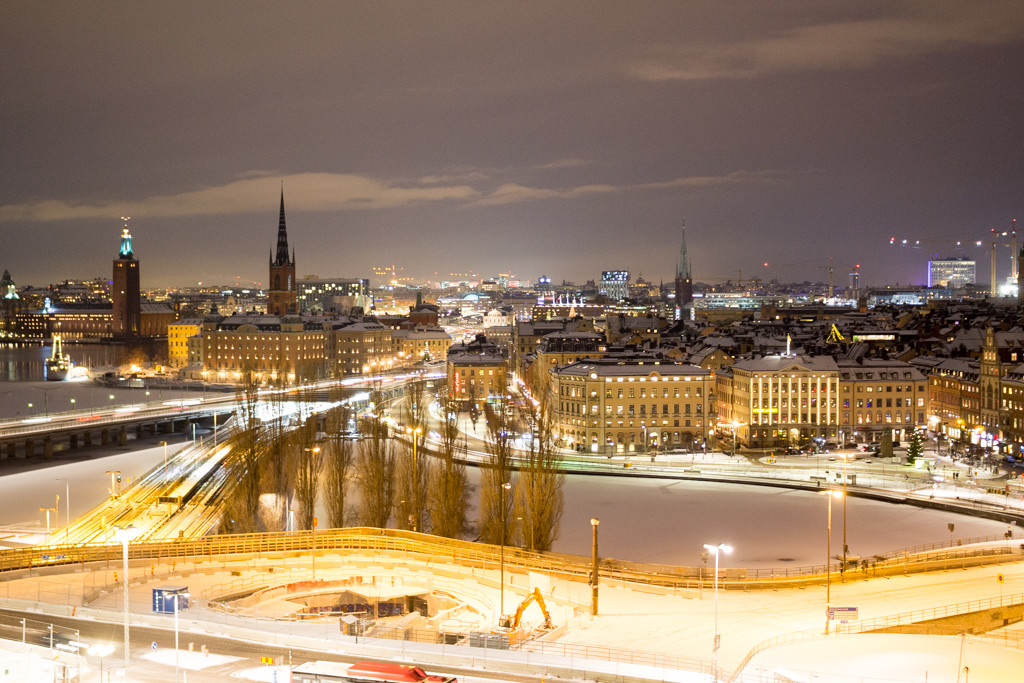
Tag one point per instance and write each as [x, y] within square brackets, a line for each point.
[684, 279]
[282, 239]
[282, 295]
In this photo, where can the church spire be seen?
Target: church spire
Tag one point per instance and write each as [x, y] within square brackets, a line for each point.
[684, 281]
[282, 238]
[683, 267]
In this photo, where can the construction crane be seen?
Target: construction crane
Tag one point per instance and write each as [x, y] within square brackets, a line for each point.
[1004, 238]
[828, 267]
[998, 241]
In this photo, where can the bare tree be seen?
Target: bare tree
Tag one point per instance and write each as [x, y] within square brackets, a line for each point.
[416, 399]
[497, 484]
[413, 473]
[339, 464]
[540, 498]
[248, 449]
[450, 489]
[278, 465]
[308, 472]
[413, 476]
[375, 474]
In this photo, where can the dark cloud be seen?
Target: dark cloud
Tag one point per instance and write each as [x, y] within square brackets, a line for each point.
[556, 137]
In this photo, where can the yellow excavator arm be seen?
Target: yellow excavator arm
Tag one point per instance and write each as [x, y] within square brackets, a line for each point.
[535, 596]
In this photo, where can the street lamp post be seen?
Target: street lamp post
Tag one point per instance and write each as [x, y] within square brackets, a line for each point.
[47, 511]
[67, 507]
[115, 476]
[177, 608]
[101, 650]
[842, 571]
[830, 494]
[504, 487]
[716, 550]
[594, 521]
[125, 535]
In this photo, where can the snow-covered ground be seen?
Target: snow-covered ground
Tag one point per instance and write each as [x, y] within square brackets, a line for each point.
[667, 522]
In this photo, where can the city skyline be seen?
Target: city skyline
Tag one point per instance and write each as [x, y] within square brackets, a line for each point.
[546, 141]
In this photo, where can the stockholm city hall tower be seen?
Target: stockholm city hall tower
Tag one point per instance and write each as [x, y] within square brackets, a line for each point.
[283, 297]
[126, 318]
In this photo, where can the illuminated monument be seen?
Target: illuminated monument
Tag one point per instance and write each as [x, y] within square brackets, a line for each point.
[282, 273]
[125, 292]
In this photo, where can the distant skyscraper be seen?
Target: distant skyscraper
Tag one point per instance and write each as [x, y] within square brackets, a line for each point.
[855, 278]
[953, 273]
[615, 284]
[684, 278]
[282, 273]
[125, 292]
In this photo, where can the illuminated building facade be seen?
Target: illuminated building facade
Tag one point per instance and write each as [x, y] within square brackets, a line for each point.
[333, 295]
[618, 405]
[879, 395]
[615, 284]
[953, 273]
[271, 348]
[780, 400]
[178, 334]
[420, 343]
[477, 372]
[360, 347]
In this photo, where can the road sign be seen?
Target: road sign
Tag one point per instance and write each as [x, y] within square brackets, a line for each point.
[1000, 578]
[154, 644]
[718, 642]
[843, 613]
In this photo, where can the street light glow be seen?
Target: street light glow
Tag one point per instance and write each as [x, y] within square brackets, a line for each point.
[716, 550]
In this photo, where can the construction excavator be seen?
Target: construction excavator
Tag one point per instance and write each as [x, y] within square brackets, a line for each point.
[509, 622]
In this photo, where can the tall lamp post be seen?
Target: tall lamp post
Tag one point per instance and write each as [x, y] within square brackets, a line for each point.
[415, 433]
[716, 550]
[594, 521]
[504, 487]
[115, 478]
[830, 494]
[47, 511]
[846, 548]
[67, 507]
[125, 535]
[177, 608]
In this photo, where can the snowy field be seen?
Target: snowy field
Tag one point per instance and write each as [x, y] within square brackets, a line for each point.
[656, 521]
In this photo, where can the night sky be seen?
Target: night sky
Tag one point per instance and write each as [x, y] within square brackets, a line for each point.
[554, 138]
